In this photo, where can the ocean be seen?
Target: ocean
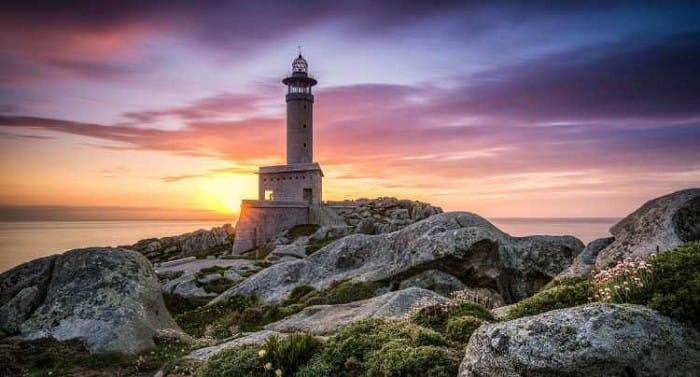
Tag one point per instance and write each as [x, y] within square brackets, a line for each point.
[23, 241]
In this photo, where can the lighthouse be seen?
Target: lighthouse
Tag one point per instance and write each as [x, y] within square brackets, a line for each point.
[289, 194]
[300, 105]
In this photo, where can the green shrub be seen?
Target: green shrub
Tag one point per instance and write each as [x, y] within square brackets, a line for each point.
[436, 316]
[299, 292]
[460, 329]
[291, 353]
[431, 316]
[346, 353]
[234, 362]
[675, 284]
[670, 284]
[398, 359]
[252, 318]
[565, 294]
[347, 291]
[470, 308]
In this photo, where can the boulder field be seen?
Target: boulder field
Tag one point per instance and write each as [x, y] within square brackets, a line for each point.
[457, 248]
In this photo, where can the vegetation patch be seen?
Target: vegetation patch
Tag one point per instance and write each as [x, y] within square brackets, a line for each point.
[216, 286]
[218, 320]
[437, 316]
[358, 348]
[177, 304]
[669, 283]
[43, 357]
[275, 357]
[460, 329]
[347, 291]
[565, 293]
[302, 230]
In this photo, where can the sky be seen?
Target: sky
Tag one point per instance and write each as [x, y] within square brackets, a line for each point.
[165, 109]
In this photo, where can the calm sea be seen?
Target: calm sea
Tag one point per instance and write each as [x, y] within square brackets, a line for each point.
[24, 241]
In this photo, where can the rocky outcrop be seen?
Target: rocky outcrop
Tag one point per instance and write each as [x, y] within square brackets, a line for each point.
[109, 298]
[216, 241]
[461, 244]
[584, 262]
[590, 340]
[382, 215]
[660, 224]
[324, 319]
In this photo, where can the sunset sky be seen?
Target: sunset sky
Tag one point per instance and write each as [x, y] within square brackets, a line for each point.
[164, 109]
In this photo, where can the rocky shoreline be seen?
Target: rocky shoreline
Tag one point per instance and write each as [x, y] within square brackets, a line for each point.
[403, 286]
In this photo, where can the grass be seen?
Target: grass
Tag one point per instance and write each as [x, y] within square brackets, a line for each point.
[47, 356]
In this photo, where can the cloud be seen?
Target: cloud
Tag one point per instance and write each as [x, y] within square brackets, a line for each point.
[209, 173]
[626, 80]
[629, 107]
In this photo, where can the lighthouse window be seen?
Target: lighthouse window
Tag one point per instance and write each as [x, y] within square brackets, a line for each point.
[304, 109]
[304, 126]
[304, 145]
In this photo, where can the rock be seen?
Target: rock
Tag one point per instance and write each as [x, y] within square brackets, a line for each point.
[233, 276]
[461, 244]
[365, 226]
[109, 298]
[259, 337]
[589, 340]
[382, 215]
[434, 280]
[485, 297]
[34, 273]
[324, 319]
[660, 224]
[208, 278]
[18, 309]
[320, 234]
[218, 239]
[185, 286]
[583, 264]
[292, 250]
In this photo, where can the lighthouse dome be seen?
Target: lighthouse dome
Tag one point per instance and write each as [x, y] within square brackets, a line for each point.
[299, 65]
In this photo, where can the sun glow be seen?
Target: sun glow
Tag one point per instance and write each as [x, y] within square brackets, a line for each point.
[223, 194]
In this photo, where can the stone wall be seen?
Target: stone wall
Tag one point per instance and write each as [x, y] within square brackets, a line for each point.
[261, 220]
